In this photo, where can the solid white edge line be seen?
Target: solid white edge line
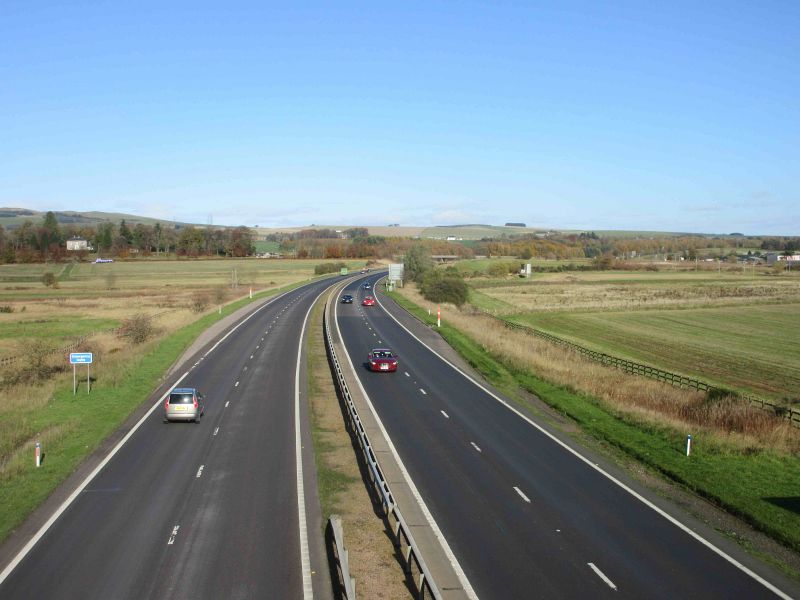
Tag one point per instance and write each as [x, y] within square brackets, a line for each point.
[685, 528]
[602, 576]
[465, 584]
[64, 505]
[305, 557]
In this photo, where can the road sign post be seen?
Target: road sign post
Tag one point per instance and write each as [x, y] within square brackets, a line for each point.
[80, 358]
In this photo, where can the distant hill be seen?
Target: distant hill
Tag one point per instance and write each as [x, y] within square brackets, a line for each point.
[11, 218]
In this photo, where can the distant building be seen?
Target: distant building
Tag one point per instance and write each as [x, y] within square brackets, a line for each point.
[77, 243]
[773, 257]
[515, 225]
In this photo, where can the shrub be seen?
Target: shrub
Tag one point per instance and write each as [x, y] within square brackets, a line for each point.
[49, 280]
[323, 268]
[199, 301]
[444, 287]
[6, 308]
[137, 329]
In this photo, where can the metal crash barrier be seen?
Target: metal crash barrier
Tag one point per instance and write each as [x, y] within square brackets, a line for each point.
[414, 566]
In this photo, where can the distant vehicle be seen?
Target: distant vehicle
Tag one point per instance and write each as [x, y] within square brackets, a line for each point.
[363, 271]
[368, 286]
[347, 299]
[184, 404]
[368, 301]
[103, 260]
[382, 359]
[343, 271]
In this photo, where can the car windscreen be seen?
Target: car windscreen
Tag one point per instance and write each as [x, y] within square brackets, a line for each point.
[180, 398]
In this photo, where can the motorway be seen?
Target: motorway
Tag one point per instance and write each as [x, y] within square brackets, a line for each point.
[206, 510]
[524, 515]
[212, 510]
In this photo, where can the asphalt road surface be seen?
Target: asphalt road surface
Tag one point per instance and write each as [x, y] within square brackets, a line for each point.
[524, 516]
[206, 510]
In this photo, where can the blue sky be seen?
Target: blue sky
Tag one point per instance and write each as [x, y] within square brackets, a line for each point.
[676, 116]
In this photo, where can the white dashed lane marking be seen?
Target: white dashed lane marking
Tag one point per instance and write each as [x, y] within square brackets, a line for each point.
[474, 445]
[424, 393]
[407, 375]
[236, 385]
[216, 431]
[200, 471]
[226, 403]
[602, 576]
[173, 535]
[446, 416]
[521, 495]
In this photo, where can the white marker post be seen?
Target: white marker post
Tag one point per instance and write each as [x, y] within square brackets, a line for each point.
[438, 316]
[688, 445]
[251, 293]
[38, 455]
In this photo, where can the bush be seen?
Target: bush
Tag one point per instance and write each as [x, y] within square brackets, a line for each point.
[137, 329]
[323, 268]
[6, 308]
[199, 301]
[49, 280]
[444, 287]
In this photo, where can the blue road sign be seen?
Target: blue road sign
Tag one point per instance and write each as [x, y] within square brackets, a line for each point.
[80, 358]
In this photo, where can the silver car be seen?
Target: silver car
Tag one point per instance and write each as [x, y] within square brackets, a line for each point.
[184, 404]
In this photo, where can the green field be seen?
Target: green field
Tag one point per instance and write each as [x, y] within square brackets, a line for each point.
[754, 349]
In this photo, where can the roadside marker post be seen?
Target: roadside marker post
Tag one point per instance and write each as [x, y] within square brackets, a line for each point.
[438, 316]
[688, 445]
[38, 455]
[80, 358]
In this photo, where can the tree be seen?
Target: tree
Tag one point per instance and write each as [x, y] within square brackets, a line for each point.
[417, 263]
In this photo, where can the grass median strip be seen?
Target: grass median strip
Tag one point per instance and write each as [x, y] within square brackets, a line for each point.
[758, 485]
[377, 572]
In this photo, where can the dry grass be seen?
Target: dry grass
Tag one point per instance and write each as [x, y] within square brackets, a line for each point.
[607, 291]
[730, 422]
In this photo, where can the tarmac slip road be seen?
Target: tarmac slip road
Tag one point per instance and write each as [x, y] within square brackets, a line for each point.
[207, 510]
[524, 515]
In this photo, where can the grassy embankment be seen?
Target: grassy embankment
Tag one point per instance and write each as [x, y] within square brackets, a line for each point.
[71, 427]
[755, 475]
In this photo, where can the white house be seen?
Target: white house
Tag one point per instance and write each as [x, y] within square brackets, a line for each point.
[77, 243]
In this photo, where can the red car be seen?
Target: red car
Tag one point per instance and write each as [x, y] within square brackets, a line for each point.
[382, 359]
[368, 301]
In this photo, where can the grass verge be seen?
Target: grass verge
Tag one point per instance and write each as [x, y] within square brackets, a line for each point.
[72, 426]
[762, 488]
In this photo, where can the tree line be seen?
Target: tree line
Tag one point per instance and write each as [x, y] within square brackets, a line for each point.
[46, 241]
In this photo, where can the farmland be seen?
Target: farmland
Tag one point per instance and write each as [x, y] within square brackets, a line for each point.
[730, 329]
